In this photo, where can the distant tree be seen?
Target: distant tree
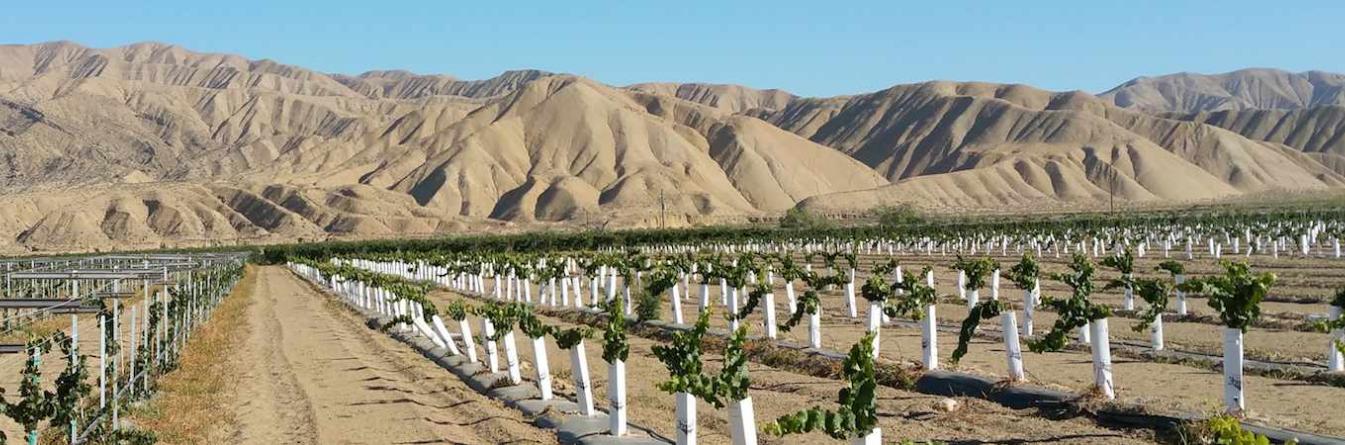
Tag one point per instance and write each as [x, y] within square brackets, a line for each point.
[797, 218]
[897, 215]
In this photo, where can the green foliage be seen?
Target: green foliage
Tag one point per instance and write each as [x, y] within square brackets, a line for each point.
[501, 316]
[1073, 312]
[733, 379]
[457, 310]
[1155, 293]
[851, 259]
[394, 321]
[568, 338]
[1080, 277]
[1225, 430]
[754, 297]
[145, 356]
[614, 346]
[35, 404]
[984, 310]
[71, 384]
[885, 267]
[530, 324]
[808, 303]
[800, 219]
[976, 270]
[747, 267]
[1123, 261]
[400, 288]
[857, 413]
[1193, 222]
[1173, 267]
[649, 305]
[915, 295]
[1236, 294]
[828, 258]
[900, 215]
[876, 289]
[1025, 273]
[682, 357]
[788, 270]
[1338, 323]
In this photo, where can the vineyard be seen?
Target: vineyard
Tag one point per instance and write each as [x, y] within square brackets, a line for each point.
[85, 338]
[1218, 329]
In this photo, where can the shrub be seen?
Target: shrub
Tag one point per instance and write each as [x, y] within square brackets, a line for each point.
[1223, 430]
[797, 218]
[897, 215]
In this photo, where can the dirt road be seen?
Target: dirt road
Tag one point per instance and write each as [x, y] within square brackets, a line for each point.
[315, 374]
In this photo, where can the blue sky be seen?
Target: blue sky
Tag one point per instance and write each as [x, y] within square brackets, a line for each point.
[811, 48]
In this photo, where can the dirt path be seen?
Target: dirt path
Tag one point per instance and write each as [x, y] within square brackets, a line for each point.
[317, 375]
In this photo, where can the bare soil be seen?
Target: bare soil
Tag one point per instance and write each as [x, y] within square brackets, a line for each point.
[316, 374]
[903, 414]
[1170, 388]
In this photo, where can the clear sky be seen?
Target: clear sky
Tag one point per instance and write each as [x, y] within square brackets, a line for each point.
[811, 48]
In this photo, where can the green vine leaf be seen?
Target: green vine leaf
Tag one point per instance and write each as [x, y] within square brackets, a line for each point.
[984, 310]
[615, 346]
[568, 338]
[856, 413]
[1073, 312]
[1155, 293]
[1236, 294]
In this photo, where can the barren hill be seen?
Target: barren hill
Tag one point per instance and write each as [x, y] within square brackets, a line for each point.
[152, 144]
[405, 85]
[1248, 88]
[731, 98]
[976, 145]
[1319, 131]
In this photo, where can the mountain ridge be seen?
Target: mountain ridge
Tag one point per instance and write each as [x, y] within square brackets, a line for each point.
[1247, 88]
[150, 143]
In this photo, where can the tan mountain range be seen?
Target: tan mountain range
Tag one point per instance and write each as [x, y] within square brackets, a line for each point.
[1318, 131]
[151, 144]
[1243, 89]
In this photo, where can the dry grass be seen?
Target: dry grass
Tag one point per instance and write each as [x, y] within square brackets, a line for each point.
[44, 326]
[187, 408]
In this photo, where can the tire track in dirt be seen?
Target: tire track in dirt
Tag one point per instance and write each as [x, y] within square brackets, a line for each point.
[317, 375]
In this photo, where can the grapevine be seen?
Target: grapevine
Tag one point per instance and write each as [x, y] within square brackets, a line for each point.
[1155, 293]
[984, 310]
[614, 346]
[1073, 312]
[1236, 294]
[857, 413]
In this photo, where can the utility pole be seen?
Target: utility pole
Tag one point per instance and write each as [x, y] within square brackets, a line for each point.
[662, 211]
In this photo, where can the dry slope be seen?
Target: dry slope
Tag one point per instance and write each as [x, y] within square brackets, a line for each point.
[149, 143]
[1318, 131]
[1248, 88]
[977, 145]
